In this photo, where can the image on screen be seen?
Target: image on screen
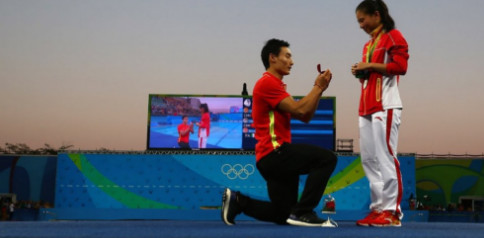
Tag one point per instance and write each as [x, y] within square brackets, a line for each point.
[166, 114]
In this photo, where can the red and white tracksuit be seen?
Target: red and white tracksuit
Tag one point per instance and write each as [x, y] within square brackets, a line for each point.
[204, 130]
[379, 119]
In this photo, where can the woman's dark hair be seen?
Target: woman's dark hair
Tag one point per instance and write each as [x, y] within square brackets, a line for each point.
[371, 6]
[204, 106]
[273, 46]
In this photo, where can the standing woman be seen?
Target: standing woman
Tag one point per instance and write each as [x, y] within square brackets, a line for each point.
[203, 126]
[385, 58]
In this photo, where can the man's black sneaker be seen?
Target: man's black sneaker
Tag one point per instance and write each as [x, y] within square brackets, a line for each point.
[308, 219]
[230, 207]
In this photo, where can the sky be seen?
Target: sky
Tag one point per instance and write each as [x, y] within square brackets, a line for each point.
[80, 72]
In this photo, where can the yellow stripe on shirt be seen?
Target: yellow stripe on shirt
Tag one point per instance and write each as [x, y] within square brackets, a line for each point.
[272, 122]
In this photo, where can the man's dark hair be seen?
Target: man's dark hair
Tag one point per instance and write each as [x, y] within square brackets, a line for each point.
[371, 6]
[204, 106]
[273, 46]
[184, 116]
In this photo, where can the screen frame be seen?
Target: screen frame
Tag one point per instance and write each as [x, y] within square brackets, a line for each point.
[148, 148]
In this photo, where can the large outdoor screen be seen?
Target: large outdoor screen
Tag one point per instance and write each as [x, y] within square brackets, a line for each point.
[230, 126]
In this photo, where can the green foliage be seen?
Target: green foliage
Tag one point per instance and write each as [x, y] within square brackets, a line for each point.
[24, 149]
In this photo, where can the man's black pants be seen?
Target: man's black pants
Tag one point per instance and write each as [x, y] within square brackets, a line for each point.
[281, 169]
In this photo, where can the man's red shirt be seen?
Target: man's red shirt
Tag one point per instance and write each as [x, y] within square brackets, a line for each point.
[272, 126]
[183, 138]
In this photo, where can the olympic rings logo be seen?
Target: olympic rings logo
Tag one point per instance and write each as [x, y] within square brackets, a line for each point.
[237, 171]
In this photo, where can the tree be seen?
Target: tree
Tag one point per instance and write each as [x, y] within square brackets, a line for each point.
[19, 148]
[23, 149]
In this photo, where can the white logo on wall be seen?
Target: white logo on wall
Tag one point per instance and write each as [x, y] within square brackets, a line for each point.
[237, 171]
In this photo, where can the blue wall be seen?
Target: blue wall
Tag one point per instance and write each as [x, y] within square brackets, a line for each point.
[186, 186]
[179, 185]
[31, 178]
